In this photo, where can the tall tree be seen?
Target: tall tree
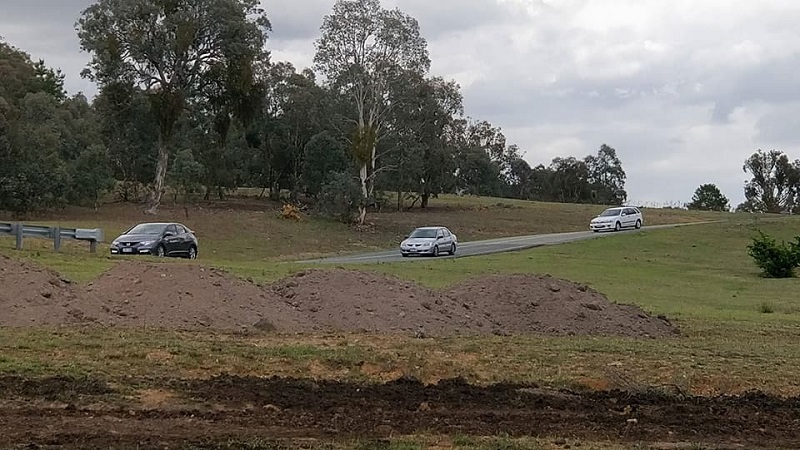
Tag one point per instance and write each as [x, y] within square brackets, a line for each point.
[775, 182]
[129, 131]
[423, 141]
[169, 49]
[364, 50]
[606, 176]
[708, 197]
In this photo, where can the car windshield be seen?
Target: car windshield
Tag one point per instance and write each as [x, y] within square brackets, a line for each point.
[147, 228]
[423, 233]
[610, 213]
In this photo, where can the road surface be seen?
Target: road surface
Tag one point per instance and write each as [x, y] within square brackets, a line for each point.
[486, 247]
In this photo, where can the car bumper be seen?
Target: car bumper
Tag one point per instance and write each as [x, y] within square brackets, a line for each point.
[601, 226]
[417, 251]
[131, 250]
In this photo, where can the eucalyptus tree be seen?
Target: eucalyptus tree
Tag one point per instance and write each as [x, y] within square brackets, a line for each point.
[775, 182]
[363, 52]
[423, 145]
[170, 49]
[606, 176]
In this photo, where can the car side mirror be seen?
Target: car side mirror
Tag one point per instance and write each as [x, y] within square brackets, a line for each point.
[405, 237]
[168, 234]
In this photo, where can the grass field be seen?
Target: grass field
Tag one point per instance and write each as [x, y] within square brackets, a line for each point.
[740, 331]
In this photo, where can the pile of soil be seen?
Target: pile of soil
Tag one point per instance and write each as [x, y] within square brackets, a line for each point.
[191, 297]
[34, 296]
[543, 304]
[184, 297]
[349, 300]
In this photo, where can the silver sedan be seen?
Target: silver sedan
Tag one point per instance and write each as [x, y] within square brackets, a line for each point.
[429, 241]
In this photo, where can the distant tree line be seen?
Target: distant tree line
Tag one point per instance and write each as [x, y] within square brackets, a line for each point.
[189, 100]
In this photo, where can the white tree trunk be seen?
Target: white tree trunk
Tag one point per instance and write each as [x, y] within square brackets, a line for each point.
[362, 208]
[161, 174]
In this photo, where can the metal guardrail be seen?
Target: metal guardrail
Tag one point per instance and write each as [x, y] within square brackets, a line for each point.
[20, 231]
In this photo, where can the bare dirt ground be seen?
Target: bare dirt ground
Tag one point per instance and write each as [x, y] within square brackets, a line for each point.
[217, 413]
[71, 413]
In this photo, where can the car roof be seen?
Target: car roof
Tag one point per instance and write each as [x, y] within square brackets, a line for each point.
[436, 227]
[155, 223]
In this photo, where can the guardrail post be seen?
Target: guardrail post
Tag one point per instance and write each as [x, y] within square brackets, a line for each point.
[93, 246]
[56, 239]
[18, 233]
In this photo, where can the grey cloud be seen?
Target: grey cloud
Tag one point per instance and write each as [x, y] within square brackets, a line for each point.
[780, 126]
[296, 20]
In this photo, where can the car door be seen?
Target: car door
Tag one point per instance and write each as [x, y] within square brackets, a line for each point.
[632, 217]
[183, 238]
[171, 240]
[448, 237]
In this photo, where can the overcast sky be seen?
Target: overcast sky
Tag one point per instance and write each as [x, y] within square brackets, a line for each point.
[685, 90]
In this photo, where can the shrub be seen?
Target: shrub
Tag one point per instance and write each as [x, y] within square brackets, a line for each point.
[766, 308]
[776, 260]
[340, 197]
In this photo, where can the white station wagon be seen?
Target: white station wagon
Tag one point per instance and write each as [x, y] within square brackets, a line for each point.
[617, 218]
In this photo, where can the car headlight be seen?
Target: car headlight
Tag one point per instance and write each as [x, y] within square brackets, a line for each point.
[146, 243]
[427, 244]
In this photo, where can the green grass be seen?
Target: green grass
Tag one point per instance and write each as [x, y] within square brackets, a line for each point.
[740, 331]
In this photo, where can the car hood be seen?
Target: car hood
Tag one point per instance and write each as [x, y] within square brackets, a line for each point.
[604, 218]
[137, 237]
[414, 241]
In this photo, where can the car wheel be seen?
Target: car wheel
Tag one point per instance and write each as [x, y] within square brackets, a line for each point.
[618, 226]
[453, 249]
[435, 251]
[192, 252]
[161, 251]
[638, 224]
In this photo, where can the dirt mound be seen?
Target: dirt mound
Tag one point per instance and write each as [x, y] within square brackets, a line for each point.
[34, 296]
[182, 296]
[190, 297]
[350, 300]
[543, 304]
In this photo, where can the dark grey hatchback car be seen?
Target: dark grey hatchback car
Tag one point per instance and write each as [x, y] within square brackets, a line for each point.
[158, 239]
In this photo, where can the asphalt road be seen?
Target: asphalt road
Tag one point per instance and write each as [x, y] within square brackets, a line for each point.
[490, 246]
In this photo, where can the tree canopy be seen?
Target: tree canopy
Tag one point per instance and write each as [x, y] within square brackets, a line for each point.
[190, 103]
[708, 197]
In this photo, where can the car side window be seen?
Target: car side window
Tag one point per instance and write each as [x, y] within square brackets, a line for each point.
[446, 233]
[180, 229]
[172, 229]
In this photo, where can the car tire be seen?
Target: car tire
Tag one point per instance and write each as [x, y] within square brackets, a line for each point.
[435, 251]
[617, 226]
[638, 224]
[192, 252]
[452, 249]
[161, 252]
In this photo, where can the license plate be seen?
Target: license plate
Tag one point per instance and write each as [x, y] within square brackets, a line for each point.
[127, 250]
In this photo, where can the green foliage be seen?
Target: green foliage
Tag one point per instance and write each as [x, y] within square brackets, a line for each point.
[325, 157]
[153, 46]
[340, 198]
[186, 174]
[774, 184]
[91, 176]
[776, 260]
[708, 197]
